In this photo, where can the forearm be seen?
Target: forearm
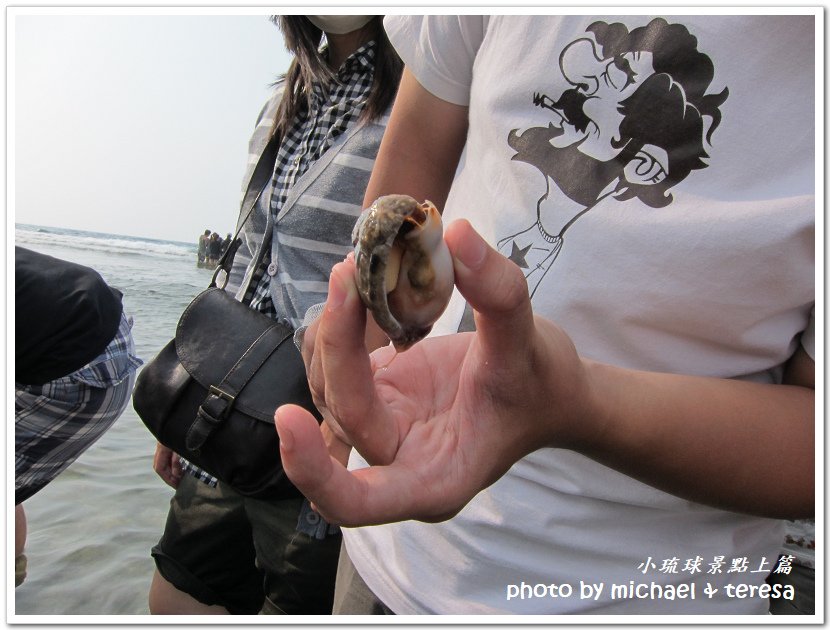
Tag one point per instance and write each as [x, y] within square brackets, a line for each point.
[421, 147]
[418, 156]
[736, 445]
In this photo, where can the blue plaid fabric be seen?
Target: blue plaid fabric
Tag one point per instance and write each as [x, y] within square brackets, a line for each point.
[57, 421]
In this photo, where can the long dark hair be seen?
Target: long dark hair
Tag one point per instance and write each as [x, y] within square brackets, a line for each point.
[302, 39]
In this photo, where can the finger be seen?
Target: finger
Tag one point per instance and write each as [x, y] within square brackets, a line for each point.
[314, 368]
[164, 473]
[303, 452]
[160, 459]
[349, 388]
[168, 478]
[370, 496]
[496, 289]
[312, 342]
[336, 445]
[173, 480]
[310, 331]
[309, 335]
[176, 470]
[160, 470]
[166, 465]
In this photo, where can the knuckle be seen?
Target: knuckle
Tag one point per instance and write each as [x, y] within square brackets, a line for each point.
[316, 383]
[339, 412]
[328, 341]
[318, 394]
[308, 345]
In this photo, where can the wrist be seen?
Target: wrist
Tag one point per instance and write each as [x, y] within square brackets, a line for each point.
[592, 420]
[574, 405]
[577, 417]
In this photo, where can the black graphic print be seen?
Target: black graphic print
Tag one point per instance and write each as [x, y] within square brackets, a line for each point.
[632, 123]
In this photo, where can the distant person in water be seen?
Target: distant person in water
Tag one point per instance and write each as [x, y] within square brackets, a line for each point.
[214, 248]
[203, 246]
[74, 370]
[225, 243]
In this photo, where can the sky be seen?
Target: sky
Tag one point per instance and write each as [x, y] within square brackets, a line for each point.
[135, 124]
[135, 121]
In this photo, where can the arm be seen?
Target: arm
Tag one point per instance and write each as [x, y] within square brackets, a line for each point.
[450, 416]
[421, 146]
[418, 156]
[736, 445]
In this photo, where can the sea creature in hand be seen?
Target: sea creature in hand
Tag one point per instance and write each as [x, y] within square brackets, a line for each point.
[404, 268]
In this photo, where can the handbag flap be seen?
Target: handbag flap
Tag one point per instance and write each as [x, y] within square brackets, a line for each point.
[214, 333]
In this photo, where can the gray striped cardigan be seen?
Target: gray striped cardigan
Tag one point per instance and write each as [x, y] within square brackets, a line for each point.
[313, 229]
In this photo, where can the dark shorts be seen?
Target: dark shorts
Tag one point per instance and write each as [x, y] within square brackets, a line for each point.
[245, 554]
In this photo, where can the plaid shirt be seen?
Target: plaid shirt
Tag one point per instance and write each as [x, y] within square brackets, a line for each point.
[333, 107]
[57, 421]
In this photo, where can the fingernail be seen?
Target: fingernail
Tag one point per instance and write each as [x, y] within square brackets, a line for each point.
[471, 251]
[286, 437]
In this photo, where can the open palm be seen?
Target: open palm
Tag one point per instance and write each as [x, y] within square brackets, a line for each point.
[437, 423]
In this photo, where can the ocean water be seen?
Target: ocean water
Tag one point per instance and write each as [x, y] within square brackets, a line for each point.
[91, 529]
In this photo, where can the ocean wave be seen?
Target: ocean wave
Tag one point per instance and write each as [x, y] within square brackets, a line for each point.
[106, 243]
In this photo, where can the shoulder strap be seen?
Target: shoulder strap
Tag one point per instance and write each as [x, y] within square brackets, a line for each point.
[260, 178]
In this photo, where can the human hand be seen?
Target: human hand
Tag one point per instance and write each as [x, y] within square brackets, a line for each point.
[167, 465]
[443, 420]
[337, 446]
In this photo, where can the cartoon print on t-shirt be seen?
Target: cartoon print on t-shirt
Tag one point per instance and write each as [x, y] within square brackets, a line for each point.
[630, 121]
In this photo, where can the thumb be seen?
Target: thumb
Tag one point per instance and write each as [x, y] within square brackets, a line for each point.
[495, 288]
[305, 457]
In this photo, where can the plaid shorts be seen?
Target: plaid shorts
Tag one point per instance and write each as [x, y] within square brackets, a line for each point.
[54, 423]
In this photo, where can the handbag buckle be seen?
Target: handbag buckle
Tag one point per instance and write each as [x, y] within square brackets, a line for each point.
[221, 394]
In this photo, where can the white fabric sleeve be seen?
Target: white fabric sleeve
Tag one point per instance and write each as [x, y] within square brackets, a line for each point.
[808, 337]
[439, 50]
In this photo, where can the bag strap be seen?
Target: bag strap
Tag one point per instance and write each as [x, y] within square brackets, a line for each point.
[221, 398]
[262, 171]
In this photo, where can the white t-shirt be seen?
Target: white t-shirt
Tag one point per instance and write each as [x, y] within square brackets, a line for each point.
[712, 275]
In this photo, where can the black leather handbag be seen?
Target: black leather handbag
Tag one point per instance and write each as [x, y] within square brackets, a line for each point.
[210, 394]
